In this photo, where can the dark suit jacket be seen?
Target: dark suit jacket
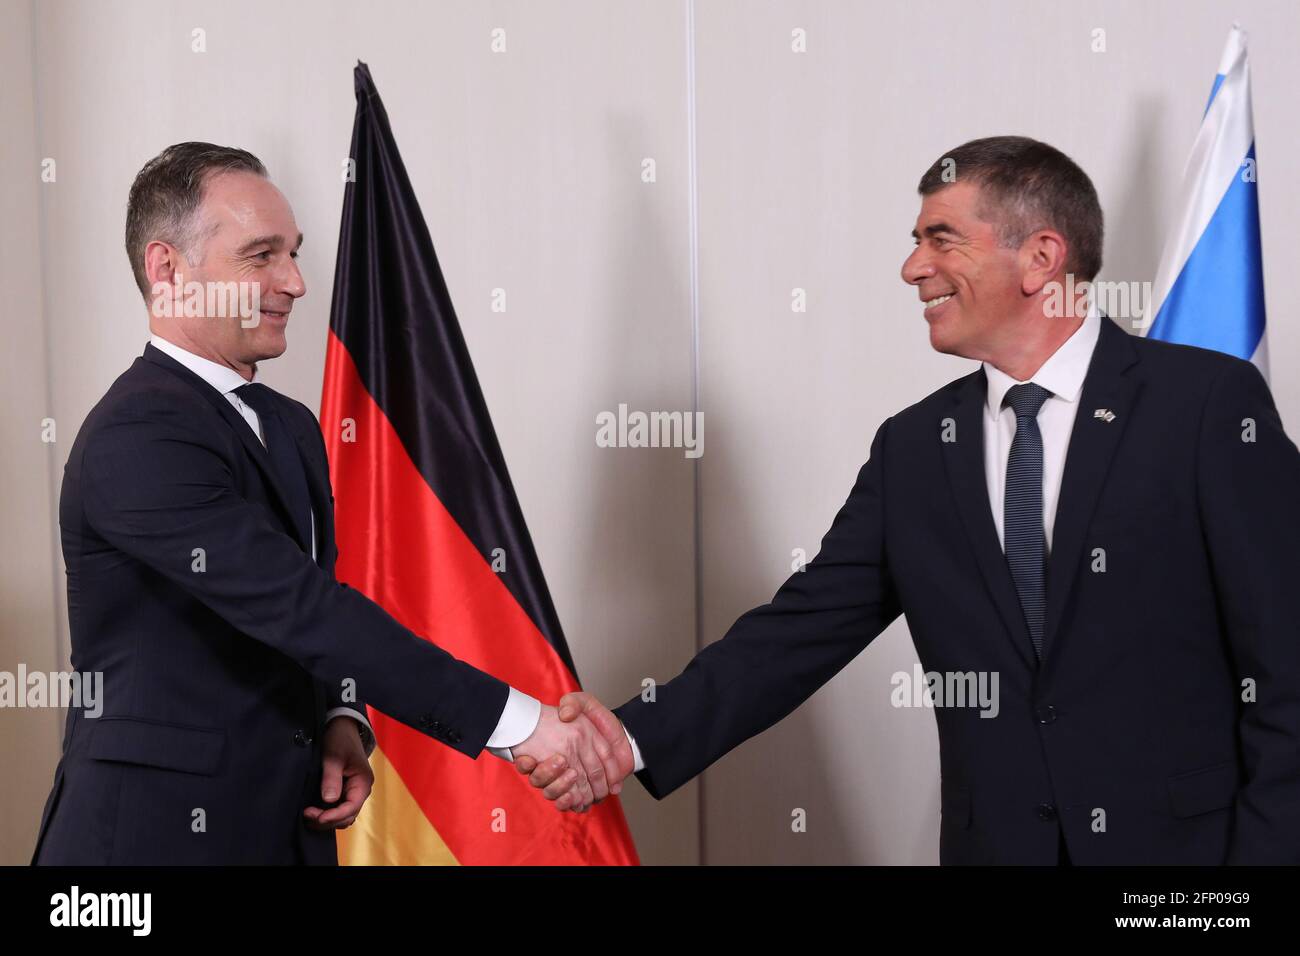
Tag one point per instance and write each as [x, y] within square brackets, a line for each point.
[216, 681]
[1136, 717]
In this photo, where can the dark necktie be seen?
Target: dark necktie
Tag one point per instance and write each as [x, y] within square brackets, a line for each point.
[1024, 540]
[284, 456]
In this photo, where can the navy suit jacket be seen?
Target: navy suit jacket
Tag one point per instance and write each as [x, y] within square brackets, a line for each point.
[1163, 725]
[219, 664]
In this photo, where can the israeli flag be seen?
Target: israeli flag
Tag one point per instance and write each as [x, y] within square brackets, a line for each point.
[1209, 290]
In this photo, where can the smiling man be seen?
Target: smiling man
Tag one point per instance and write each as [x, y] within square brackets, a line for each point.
[198, 533]
[1109, 525]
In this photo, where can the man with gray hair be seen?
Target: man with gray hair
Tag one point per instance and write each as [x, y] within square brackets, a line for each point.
[1109, 524]
[198, 532]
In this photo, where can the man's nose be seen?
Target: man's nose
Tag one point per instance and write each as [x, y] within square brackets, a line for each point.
[917, 267]
[291, 281]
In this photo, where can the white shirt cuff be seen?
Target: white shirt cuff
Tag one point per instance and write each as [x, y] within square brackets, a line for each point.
[518, 720]
[638, 764]
[367, 732]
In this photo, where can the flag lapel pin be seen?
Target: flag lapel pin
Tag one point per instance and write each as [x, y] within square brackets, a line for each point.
[1105, 414]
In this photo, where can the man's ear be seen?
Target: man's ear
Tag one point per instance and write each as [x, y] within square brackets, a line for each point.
[161, 263]
[164, 269]
[1042, 259]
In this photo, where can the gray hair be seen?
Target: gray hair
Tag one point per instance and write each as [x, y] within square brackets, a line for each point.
[167, 193]
[1025, 186]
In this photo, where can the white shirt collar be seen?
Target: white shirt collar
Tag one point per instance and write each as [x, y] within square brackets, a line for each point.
[1063, 372]
[223, 378]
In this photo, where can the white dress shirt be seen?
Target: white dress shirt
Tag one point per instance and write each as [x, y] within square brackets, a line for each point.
[1062, 375]
[521, 712]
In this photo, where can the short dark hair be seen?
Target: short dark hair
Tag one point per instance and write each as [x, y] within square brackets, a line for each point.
[1025, 186]
[166, 193]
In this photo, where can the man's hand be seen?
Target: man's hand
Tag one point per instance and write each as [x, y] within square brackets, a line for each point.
[557, 776]
[345, 771]
[574, 761]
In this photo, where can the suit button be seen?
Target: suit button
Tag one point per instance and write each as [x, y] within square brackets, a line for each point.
[453, 736]
[1046, 714]
[301, 739]
[1046, 812]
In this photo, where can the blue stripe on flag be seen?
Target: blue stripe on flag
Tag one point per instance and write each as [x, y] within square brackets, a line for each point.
[1214, 90]
[1217, 302]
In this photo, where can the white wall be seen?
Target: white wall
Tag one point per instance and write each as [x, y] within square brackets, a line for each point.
[29, 590]
[527, 166]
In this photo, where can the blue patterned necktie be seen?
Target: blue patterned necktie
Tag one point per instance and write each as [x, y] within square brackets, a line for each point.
[1024, 540]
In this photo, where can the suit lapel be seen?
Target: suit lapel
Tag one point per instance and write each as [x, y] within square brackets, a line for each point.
[321, 504]
[964, 463]
[252, 444]
[1093, 441]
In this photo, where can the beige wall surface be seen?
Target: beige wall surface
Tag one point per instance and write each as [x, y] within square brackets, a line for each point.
[775, 170]
[30, 594]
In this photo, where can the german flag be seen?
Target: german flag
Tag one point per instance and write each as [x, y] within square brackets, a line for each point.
[429, 528]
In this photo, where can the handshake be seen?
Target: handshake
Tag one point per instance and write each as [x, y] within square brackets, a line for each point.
[578, 754]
